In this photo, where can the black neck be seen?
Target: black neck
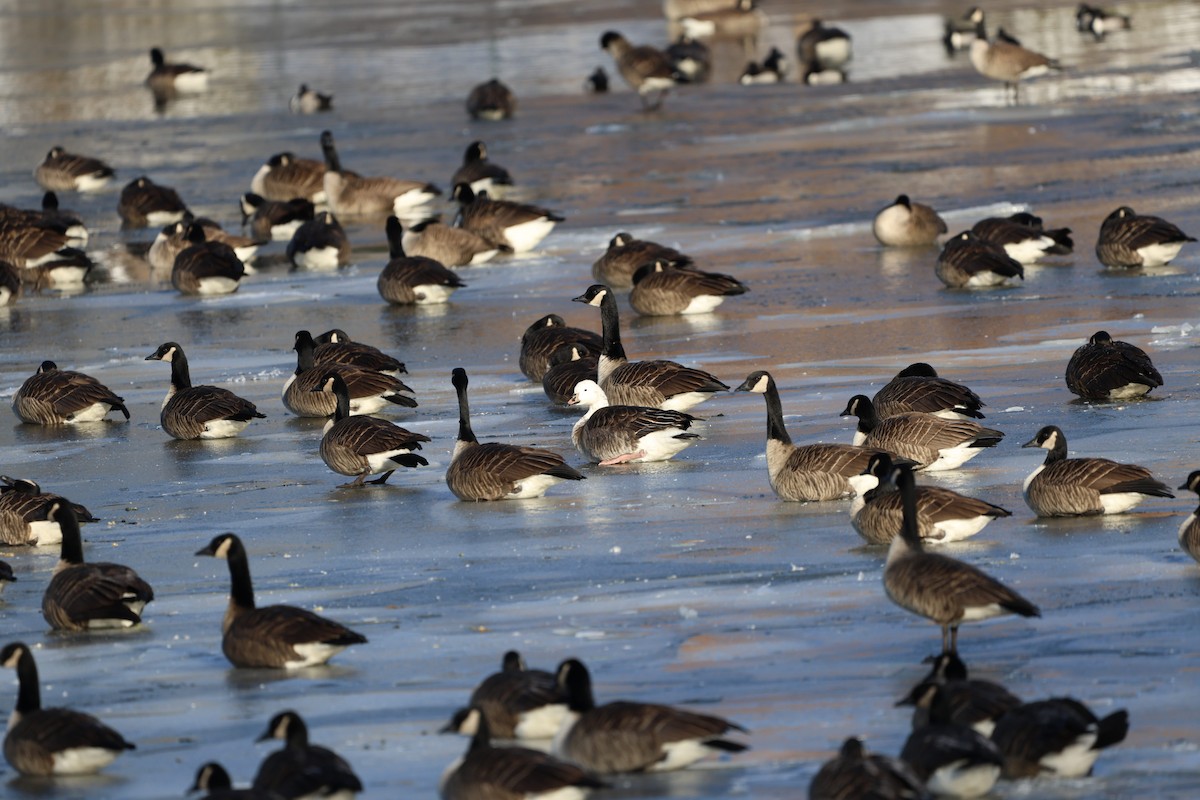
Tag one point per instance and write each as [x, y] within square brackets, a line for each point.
[465, 434]
[908, 493]
[775, 427]
[29, 697]
[181, 378]
[72, 539]
[332, 162]
[306, 349]
[395, 237]
[577, 684]
[868, 420]
[242, 590]
[297, 734]
[483, 734]
[1058, 452]
[342, 394]
[610, 328]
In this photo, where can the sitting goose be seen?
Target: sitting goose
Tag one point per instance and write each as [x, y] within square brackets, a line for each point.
[932, 443]
[481, 174]
[625, 255]
[1105, 369]
[545, 337]
[661, 290]
[515, 703]
[1023, 237]
[492, 101]
[609, 434]
[498, 471]
[1189, 531]
[54, 396]
[947, 696]
[660, 384]
[67, 172]
[361, 445]
[1128, 240]
[199, 412]
[301, 769]
[319, 244]
[511, 227]
[335, 347]
[367, 391]
[206, 267]
[953, 760]
[413, 280]
[275, 220]
[214, 780]
[144, 203]
[1069, 487]
[969, 262]
[279, 636]
[907, 224]
[854, 773]
[24, 513]
[309, 101]
[1060, 736]
[285, 177]
[453, 247]
[168, 243]
[169, 78]
[53, 741]
[349, 193]
[569, 365]
[918, 387]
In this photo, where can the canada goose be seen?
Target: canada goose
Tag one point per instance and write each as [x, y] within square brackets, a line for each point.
[206, 267]
[678, 9]
[362, 445]
[803, 473]
[53, 741]
[71, 223]
[53, 396]
[274, 220]
[569, 365]
[243, 246]
[740, 18]
[969, 262]
[546, 336]
[67, 172]
[30, 243]
[168, 243]
[1005, 61]
[1105, 369]
[1098, 21]
[515, 703]
[692, 59]
[212, 779]
[335, 347]
[619, 434]
[646, 69]
[66, 270]
[932, 443]
[1189, 531]
[907, 224]
[756, 74]
[309, 101]
[942, 589]
[1060, 736]
[597, 82]
[166, 78]
[947, 696]
[824, 48]
[1068, 487]
[144, 204]
[88, 596]
[25, 513]
[301, 769]
[285, 177]
[1023, 238]
[279, 636]
[953, 760]
[625, 255]
[10, 282]
[1129, 239]
[413, 280]
[350, 193]
[918, 387]
[512, 227]
[854, 774]
[658, 384]
[624, 736]
[491, 101]
[452, 247]
[199, 412]
[481, 174]
[959, 32]
[319, 244]
[367, 391]
[498, 471]
[661, 290]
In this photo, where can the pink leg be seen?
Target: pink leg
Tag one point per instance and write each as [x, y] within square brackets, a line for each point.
[608, 462]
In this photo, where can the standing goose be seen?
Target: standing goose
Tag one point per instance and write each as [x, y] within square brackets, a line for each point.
[361, 445]
[83, 596]
[953, 760]
[335, 347]
[824, 48]
[167, 78]
[619, 434]
[491, 101]
[1128, 239]
[453, 247]
[658, 384]
[350, 193]
[569, 365]
[907, 224]
[367, 391]
[319, 244]
[932, 443]
[301, 769]
[413, 280]
[1004, 60]
[1069, 487]
[646, 69]
[206, 267]
[144, 203]
[199, 412]
[279, 636]
[624, 736]
[1189, 531]
[67, 172]
[515, 703]
[481, 174]
[508, 226]
[625, 255]
[275, 220]
[942, 589]
[54, 396]
[309, 101]
[285, 177]
[1023, 238]
[498, 471]
[853, 774]
[947, 696]
[547, 336]
[25, 513]
[1060, 736]
[53, 741]
[969, 262]
[1108, 370]
[918, 387]
[660, 289]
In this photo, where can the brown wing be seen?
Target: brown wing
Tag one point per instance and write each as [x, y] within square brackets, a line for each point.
[647, 62]
[1096, 369]
[1141, 231]
[506, 464]
[640, 421]
[1096, 474]
[512, 772]
[930, 395]
[290, 625]
[207, 403]
[86, 592]
[366, 436]
[667, 377]
[52, 730]
[942, 588]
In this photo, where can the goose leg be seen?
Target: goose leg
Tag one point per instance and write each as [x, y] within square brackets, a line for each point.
[356, 482]
[621, 459]
[382, 479]
[945, 639]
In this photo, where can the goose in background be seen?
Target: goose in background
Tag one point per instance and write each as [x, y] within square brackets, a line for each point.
[279, 636]
[854, 773]
[71, 223]
[168, 78]
[53, 741]
[168, 243]
[918, 387]
[740, 18]
[309, 101]
[144, 203]
[948, 696]
[54, 396]
[618, 434]
[958, 32]
[953, 760]
[63, 223]
[302, 769]
[1068, 487]
[6, 575]
[969, 262]
[28, 243]
[1105, 370]
[452, 247]
[243, 246]
[480, 173]
[662, 290]
[206, 267]
[623, 736]
[319, 244]
[349, 193]
[1128, 239]
[498, 471]
[548, 335]
[691, 58]
[285, 177]
[1098, 21]
[61, 171]
[824, 53]
[907, 224]
[625, 255]
[597, 82]
[646, 69]
[515, 703]
[214, 781]
[657, 384]
[25, 513]
[1189, 531]
[1023, 238]
[360, 445]
[90, 596]
[335, 347]
[569, 365]
[1005, 60]
[65, 270]
[930, 442]
[1060, 736]
[367, 391]
[273, 220]
[678, 9]
[10, 282]
[491, 101]
[772, 70]
[413, 280]
[199, 412]
[505, 225]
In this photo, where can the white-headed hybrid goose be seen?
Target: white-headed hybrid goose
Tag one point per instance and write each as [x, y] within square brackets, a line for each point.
[547, 336]
[302, 769]
[508, 226]
[206, 267]
[942, 589]
[691, 58]
[349, 193]
[83, 596]
[932, 443]
[286, 177]
[660, 290]
[67, 172]
[1189, 531]
[1099, 21]
[214, 781]
[171, 78]
[53, 741]
[516, 703]
[854, 774]
[279, 636]
[367, 391]
[646, 69]
[617, 434]
[658, 384]
[969, 262]
[307, 100]
[199, 412]
[1004, 60]
[625, 255]
[1059, 737]
[624, 736]
[334, 346]
[320, 244]
[25, 513]
[413, 280]
[144, 203]
[1068, 487]
[1128, 239]
[453, 247]
[361, 445]
[907, 224]
[491, 101]
[54, 396]
[918, 387]
[953, 760]
[275, 220]
[947, 696]
[824, 47]
[1023, 237]
[495, 470]
[481, 174]
[569, 365]
[1105, 369]
[485, 772]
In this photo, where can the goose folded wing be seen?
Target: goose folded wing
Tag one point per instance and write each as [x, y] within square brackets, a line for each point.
[293, 625]
[669, 378]
[90, 593]
[207, 403]
[59, 729]
[641, 421]
[366, 436]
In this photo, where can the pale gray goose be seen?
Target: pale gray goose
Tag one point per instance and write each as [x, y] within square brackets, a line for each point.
[948, 696]
[918, 387]
[54, 396]
[279, 636]
[691, 58]
[661, 290]
[944, 590]
[1004, 60]
[624, 736]
[61, 171]
[855, 774]
[1105, 369]
[302, 769]
[969, 262]
[453, 247]
[309, 101]
[545, 337]
[481, 174]
[824, 47]
[905, 223]
[625, 255]
[646, 69]
[508, 226]
[214, 781]
[275, 220]
[53, 741]
[953, 760]
[498, 471]
[167, 78]
[1023, 237]
[1128, 239]
[367, 391]
[1189, 531]
[619, 434]
[334, 346]
[491, 101]
[89, 596]
[1069, 487]
[515, 703]
[10, 282]
[319, 244]
[144, 203]
[361, 445]
[199, 412]
[206, 267]
[413, 280]
[1059, 737]
[25, 513]
[286, 177]
[659, 383]
[569, 365]
[932, 443]
[349, 193]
